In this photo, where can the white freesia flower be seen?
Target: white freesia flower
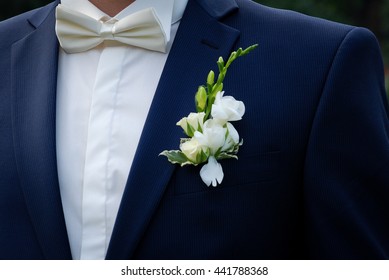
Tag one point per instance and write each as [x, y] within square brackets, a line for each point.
[191, 149]
[232, 138]
[227, 108]
[213, 135]
[195, 120]
[212, 172]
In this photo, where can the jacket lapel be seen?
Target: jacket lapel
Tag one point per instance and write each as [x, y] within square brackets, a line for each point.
[34, 73]
[200, 40]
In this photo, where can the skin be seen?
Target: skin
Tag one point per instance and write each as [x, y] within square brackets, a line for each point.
[111, 7]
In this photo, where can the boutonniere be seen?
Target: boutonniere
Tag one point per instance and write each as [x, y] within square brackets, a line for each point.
[210, 134]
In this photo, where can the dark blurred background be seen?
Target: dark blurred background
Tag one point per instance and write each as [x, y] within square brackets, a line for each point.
[373, 14]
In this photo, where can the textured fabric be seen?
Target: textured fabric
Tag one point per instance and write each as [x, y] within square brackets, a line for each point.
[311, 181]
[78, 32]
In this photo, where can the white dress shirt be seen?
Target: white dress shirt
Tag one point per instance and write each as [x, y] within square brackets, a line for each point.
[103, 98]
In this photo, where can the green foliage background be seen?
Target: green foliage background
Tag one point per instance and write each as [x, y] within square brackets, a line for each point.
[373, 14]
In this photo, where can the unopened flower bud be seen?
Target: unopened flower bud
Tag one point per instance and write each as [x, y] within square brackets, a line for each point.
[211, 78]
[201, 99]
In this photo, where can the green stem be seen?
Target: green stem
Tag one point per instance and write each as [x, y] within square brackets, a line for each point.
[222, 74]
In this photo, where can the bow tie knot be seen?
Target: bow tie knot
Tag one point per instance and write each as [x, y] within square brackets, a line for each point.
[78, 32]
[107, 31]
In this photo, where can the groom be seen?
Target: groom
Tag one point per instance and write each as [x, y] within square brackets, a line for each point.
[82, 125]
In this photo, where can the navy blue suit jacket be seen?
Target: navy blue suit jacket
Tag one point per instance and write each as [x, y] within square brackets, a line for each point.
[312, 179]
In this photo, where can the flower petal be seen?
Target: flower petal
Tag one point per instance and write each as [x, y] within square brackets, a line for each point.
[227, 108]
[192, 123]
[212, 172]
[191, 149]
[232, 138]
[233, 133]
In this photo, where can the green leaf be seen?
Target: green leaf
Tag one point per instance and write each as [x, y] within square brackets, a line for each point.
[176, 157]
[201, 157]
[199, 128]
[189, 130]
[225, 155]
[236, 147]
[183, 140]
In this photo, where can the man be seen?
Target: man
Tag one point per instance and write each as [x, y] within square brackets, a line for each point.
[311, 181]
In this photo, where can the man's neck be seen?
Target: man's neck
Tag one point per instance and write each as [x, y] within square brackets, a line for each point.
[111, 7]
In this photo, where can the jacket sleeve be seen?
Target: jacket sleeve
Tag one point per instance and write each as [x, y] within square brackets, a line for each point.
[346, 174]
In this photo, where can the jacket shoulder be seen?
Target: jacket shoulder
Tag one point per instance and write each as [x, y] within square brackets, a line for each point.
[17, 27]
[256, 17]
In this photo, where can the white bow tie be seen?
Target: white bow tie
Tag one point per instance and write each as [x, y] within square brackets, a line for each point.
[78, 32]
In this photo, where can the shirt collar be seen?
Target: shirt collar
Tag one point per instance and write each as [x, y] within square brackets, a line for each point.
[168, 11]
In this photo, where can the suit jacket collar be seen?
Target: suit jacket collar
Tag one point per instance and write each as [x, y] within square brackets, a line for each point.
[39, 17]
[34, 71]
[194, 52]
